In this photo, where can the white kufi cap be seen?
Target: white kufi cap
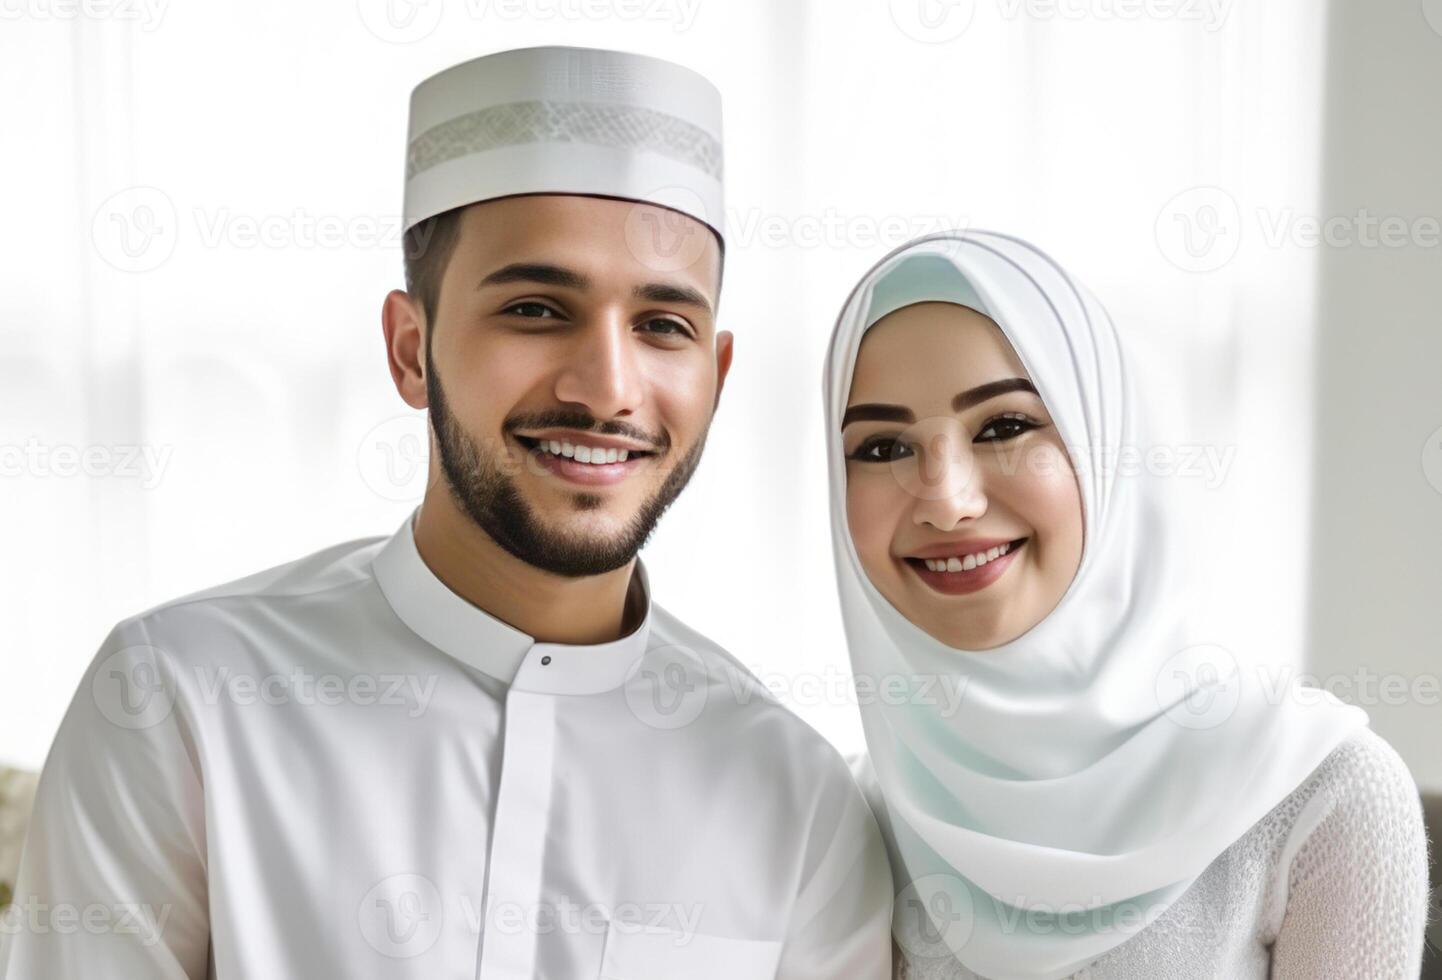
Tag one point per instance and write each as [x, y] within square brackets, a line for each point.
[565, 120]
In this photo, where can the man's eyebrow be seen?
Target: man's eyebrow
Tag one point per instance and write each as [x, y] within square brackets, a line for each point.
[541, 272]
[554, 275]
[665, 292]
[879, 412]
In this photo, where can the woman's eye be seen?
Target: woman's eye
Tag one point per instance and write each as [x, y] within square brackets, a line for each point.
[531, 310]
[1011, 425]
[880, 450]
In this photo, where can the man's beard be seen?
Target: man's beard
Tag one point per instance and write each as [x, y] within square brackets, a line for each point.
[485, 492]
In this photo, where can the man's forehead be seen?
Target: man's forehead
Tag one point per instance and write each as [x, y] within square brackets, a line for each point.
[604, 241]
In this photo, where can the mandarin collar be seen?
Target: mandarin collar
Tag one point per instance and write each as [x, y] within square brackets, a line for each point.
[473, 636]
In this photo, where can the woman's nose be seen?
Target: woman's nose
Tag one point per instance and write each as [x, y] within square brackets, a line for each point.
[948, 484]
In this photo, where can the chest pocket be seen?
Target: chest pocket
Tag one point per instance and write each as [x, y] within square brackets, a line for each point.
[636, 953]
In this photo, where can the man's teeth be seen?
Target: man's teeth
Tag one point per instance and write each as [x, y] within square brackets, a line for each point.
[584, 454]
[967, 562]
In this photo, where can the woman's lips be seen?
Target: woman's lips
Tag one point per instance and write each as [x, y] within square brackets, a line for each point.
[970, 580]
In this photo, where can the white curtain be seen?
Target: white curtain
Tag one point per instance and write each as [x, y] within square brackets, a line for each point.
[202, 203]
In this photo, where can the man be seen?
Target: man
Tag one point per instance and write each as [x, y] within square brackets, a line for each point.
[565, 780]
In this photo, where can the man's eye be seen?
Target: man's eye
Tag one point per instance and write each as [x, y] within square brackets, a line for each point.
[880, 450]
[531, 310]
[666, 326]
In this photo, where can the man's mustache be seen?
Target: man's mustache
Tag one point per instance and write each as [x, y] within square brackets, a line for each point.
[563, 419]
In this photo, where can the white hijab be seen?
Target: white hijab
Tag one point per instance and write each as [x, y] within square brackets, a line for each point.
[1100, 761]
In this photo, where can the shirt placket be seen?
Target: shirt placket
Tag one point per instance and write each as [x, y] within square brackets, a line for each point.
[517, 854]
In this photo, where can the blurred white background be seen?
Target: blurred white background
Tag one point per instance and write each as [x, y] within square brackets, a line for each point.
[201, 209]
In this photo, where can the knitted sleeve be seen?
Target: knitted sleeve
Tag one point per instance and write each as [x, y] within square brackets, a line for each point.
[1354, 899]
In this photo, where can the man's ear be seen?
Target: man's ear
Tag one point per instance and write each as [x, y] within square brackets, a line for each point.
[724, 346]
[403, 324]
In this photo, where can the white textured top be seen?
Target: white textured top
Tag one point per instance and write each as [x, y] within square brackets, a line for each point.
[1331, 883]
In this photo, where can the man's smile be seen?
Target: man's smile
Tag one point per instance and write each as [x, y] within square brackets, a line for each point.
[591, 460]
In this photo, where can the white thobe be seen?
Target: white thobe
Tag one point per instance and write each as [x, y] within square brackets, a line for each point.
[339, 769]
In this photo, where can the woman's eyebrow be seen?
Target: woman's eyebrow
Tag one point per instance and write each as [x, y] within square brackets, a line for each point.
[879, 412]
[876, 412]
[991, 389]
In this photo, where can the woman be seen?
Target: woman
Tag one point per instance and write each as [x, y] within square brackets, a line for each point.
[1109, 794]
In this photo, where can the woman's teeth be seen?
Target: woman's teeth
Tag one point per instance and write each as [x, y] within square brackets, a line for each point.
[584, 454]
[966, 563]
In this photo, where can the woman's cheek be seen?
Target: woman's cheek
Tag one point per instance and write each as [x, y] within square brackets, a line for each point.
[1045, 497]
[870, 513]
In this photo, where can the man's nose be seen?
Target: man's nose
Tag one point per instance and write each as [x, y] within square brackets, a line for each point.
[602, 371]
